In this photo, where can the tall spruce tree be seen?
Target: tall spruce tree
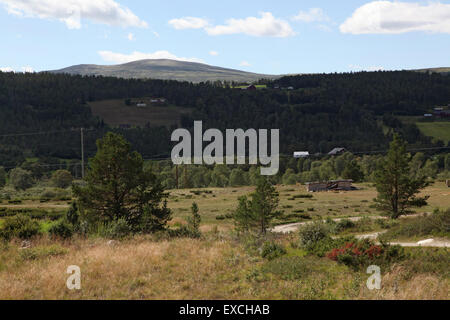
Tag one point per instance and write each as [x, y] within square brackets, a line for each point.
[397, 188]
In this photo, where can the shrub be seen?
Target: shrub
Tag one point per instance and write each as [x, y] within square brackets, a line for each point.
[184, 232]
[117, 229]
[72, 215]
[20, 179]
[61, 229]
[313, 232]
[42, 252]
[362, 253]
[55, 194]
[291, 268]
[322, 247]
[272, 250]
[344, 225]
[435, 224]
[19, 226]
[62, 178]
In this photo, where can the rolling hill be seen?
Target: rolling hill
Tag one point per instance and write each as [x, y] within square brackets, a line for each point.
[434, 70]
[166, 70]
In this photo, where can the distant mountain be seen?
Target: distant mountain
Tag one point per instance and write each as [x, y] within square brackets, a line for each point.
[434, 70]
[165, 69]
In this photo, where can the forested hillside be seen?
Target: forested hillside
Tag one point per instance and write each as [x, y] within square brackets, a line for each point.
[354, 111]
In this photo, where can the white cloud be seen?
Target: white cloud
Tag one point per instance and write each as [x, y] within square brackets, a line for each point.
[312, 15]
[188, 23]
[267, 25]
[353, 67]
[6, 69]
[389, 17]
[71, 12]
[136, 55]
[245, 64]
[156, 34]
[131, 37]
[26, 69]
[213, 53]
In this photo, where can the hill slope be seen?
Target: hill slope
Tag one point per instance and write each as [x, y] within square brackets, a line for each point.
[166, 70]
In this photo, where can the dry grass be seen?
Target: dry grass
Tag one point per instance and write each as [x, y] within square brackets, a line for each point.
[213, 268]
[418, 287]
[217, 266]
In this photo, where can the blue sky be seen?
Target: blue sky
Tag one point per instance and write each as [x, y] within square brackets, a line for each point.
[273, 37]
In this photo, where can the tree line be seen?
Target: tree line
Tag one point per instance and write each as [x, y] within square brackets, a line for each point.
[322, 112]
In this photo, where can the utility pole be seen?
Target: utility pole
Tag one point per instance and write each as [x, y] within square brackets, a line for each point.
[82, 152]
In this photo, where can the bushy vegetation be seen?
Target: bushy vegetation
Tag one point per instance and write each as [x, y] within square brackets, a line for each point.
[61, 229]
[293, 171]
[317, 239]
[272, 250]
[20, 179]
[62, 178]
[436, 224]
[312, 233]
[19, 226]
[38, 214]
[362, 253]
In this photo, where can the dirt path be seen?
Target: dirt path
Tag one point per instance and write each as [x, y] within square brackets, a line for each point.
[292, 227]
[422, 243]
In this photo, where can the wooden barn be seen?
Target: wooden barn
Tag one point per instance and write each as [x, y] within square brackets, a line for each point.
[333, 185]
[316, 186]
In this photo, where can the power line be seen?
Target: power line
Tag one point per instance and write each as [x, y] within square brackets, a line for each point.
[53, 165]
[41, 133]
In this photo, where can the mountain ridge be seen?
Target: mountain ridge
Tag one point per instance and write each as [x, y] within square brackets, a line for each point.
[166, 69]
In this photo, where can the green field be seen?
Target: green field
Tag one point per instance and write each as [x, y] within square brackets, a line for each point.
[258, 86]
[116, 112]
[438, 130]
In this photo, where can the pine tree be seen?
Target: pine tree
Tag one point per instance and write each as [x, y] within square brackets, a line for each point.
[397, 188]
[118, 187]
[257, 213]
[195, 220]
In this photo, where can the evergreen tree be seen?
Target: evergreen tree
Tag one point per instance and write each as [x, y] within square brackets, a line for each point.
[257, 213]
[397, 189]
[195, 220]
[118, 187]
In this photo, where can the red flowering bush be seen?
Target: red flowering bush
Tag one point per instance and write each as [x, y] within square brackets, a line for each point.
[356, 253]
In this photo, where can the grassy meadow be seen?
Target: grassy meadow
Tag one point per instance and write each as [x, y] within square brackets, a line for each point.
[219, 265]
[437, 130]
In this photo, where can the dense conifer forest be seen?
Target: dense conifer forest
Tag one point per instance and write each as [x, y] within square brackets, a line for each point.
[353, 110]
